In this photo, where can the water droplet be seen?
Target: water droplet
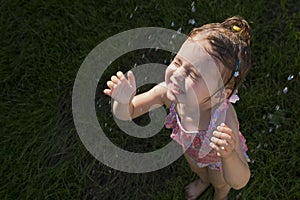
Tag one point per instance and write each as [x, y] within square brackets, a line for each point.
[135, 8]
[171, 42]
[135, 65]
[146, 78]
[143, 56]
[172, 24]
[149, 37]
[109, 171]
[264, 116]
[131, 15]
[277, 107]
[179, 30]
[267, 75]
[290, 77]
[193, 6]
[263, 131]
[265, 145]
[110, 129]
[174, 36]
[252, 161]
[192, 21]
[285, 90]
[105, 124]
[258, 146]
[165, 61]
[277, 126]
[270, 129]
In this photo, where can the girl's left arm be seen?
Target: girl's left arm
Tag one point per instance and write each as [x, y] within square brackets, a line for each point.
[226, 142]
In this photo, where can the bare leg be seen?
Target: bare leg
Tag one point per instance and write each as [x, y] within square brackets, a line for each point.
[221, 187]
[197, 187]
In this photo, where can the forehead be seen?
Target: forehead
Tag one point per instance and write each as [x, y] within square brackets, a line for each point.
[194, 53]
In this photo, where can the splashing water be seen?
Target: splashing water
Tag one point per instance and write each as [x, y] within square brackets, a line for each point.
[285, 90]
[192, 21]
[193, 6]
[270, 129]
[277, 107]
[179, 30]
[290, 77]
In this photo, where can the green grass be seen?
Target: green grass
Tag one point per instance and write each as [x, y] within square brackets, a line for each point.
[43, 44]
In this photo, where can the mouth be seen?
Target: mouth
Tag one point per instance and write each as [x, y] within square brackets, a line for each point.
[174, 88]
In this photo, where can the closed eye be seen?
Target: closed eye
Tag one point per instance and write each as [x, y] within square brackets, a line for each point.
[193, 74]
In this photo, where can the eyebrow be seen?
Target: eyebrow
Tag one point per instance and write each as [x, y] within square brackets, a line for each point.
[190, 66]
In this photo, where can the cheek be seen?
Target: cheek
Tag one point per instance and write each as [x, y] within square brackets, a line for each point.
[200, 89]
[169, 71]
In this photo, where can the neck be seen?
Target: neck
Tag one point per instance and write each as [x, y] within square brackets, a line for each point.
[194, 118]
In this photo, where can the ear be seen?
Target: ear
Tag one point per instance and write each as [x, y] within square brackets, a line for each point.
[228, 92]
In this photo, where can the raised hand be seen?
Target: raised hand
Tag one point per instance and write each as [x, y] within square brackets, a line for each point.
[223, 141]
[121, 89]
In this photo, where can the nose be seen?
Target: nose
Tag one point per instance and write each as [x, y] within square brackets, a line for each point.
[179, 74]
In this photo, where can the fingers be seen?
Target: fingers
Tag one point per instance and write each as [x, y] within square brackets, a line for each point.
[107, 92]
[120, 88]
[225, 129]
[131, 79]
[223, 140]
[120, 75]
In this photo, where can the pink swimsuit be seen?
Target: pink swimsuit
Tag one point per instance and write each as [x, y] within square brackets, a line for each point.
[196, 143]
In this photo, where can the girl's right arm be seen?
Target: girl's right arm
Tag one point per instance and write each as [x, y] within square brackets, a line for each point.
[127, 105]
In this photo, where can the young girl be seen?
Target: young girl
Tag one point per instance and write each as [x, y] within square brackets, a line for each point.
[199, 86]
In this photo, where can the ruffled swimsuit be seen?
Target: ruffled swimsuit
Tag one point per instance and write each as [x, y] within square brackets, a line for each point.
[196, 143]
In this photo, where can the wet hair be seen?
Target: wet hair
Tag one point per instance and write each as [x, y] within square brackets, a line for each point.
[229, 46]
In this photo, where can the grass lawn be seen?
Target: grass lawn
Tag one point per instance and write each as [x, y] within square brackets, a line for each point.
[42, 46]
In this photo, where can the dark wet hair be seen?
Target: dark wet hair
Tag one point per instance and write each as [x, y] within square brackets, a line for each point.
[230, 45]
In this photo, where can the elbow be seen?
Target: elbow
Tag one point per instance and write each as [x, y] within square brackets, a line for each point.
[122, 117]
[242, 183]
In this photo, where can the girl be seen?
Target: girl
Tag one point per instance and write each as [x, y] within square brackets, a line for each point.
[199, 86]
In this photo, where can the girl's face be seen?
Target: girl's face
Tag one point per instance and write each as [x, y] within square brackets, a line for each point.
[193, 76]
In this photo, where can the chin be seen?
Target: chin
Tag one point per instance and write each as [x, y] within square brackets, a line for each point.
[172, 97]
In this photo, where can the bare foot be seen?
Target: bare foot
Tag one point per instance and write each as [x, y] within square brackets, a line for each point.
[195, 189]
